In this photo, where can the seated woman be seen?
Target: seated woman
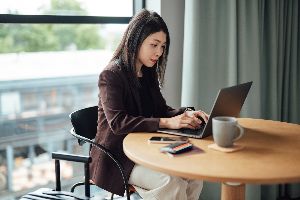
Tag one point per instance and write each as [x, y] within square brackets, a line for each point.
[130, 101]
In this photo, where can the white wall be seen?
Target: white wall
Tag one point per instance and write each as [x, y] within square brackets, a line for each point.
[172, 11]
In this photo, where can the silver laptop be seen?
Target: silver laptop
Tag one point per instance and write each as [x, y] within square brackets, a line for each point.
[228, 102]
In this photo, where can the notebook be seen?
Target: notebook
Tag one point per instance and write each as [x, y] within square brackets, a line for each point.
[228, 102]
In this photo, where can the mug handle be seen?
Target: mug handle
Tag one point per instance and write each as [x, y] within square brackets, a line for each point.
[241, 130]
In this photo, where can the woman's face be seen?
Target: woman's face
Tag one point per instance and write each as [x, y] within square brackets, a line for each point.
[151, 49]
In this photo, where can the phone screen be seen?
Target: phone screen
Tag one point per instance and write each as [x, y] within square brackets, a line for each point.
[167, 139]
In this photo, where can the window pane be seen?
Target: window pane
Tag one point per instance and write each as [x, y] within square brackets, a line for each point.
[47, 71]
[122, 8]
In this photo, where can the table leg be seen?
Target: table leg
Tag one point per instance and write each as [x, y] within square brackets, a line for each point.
[234, 191]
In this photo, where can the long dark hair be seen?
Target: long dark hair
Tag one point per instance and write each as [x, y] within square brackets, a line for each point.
[140, 27]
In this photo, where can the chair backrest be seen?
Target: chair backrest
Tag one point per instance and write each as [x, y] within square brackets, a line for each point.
[84, 121]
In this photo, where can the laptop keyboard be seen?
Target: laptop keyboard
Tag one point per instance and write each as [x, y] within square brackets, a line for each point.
[193, 132]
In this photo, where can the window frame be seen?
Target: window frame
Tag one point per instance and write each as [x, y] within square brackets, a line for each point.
[61, 19]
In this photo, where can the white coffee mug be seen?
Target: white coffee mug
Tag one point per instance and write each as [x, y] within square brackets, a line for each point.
[226, 130]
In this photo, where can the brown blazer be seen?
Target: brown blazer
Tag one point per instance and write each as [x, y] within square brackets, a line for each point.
[119, 114]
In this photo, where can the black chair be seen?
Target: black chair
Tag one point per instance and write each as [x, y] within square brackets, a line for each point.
[84, 123]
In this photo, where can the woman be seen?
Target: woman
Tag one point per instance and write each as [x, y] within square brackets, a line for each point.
[130, 101]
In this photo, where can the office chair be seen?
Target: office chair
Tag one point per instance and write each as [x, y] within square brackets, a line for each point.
[84, 123]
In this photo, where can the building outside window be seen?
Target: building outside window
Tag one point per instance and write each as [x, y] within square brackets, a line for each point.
[48, 70]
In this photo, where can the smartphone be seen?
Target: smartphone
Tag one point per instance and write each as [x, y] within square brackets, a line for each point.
[168, 140]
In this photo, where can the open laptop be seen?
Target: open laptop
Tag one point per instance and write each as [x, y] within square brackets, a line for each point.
[228, 102]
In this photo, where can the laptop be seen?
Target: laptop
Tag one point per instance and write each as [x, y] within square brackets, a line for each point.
[228, 102]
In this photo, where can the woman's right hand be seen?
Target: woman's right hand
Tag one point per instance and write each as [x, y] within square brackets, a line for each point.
[185, 120]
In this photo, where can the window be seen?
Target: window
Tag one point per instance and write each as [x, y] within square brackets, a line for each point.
[51, 53]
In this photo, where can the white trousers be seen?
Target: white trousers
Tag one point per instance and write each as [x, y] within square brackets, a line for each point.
[159, 186]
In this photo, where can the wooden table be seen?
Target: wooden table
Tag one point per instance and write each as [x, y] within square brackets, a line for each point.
[271, 155]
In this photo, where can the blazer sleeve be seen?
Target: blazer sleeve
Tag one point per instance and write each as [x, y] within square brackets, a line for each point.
[171, 112]
[112, 97]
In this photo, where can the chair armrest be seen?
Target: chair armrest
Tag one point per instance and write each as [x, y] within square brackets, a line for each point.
[71, 157]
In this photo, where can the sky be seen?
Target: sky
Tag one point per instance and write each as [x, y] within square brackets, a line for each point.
[94, 7]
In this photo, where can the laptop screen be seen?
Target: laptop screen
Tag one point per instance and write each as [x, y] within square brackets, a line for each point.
[228, 102]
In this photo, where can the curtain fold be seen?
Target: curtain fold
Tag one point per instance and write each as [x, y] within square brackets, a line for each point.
[280, 60]
[233, 41]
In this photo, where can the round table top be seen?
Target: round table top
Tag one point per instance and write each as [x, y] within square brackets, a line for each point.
[271, 154]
